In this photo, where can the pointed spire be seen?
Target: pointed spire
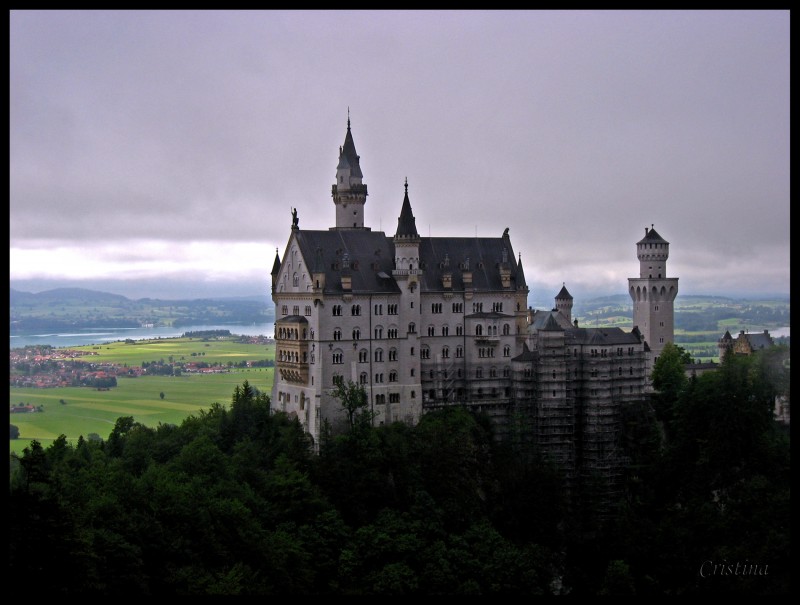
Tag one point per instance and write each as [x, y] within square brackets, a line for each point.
[406, 224]
[563, 293]
[276, 266]
[348, 158]
[520, 276]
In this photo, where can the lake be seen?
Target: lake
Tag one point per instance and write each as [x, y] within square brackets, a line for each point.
[96, 336]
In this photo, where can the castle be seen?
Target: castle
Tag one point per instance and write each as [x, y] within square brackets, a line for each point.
[424, 322]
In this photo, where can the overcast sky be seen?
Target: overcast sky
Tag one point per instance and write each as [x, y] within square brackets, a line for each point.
[164, 150]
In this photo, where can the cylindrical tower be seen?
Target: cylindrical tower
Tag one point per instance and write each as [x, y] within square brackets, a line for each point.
[653, 293]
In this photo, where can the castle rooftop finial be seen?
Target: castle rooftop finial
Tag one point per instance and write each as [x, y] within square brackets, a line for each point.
[348, 117]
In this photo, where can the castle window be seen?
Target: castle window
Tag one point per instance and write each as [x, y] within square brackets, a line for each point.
[445, 330]
[308, 310]
[391, 333]
[431, 331]
[413, 394]
[295, 280]
[436, 307]
[459, 330]
[338, 357]
[506, 373]
[362, 379]
[363, 356]
[458, 307]
[337, 334]
[379, 332]
[412, 372]
[479, 373]
[479, 330]
[393, 376]
[337, 310]
[412, 328]
[506, 351]
[394, 397]
[355, 310]
[378, 378]
[445, 352]
[378, 309]
[424, 353]
[392, 354]
[284, 310]
[392, 309]
[459, 351]
[378, 354]
[356, 334]
[506, 329]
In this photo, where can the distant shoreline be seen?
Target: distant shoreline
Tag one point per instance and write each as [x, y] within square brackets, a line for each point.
[99, 336]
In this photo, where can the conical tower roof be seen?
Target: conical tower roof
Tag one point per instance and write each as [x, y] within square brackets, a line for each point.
[406, 223]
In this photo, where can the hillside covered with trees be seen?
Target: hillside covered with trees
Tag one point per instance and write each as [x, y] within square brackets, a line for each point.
[235, 502]
[65, 309]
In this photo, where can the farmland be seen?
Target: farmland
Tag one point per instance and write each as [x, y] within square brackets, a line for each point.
[699, 323]
[75, 411]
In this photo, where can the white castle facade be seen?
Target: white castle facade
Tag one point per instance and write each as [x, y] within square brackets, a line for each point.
[424, 322]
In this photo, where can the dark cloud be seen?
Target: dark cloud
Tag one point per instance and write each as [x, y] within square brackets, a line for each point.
[576, 129]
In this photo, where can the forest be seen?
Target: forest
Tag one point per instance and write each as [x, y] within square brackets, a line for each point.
[237, 501]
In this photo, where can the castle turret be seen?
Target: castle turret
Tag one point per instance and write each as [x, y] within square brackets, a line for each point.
[349, 193]
[653, 293]
[276, 267]
[564, 302]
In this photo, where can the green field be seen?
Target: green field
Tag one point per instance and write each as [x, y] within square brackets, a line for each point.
[88, 410]
[133, 353]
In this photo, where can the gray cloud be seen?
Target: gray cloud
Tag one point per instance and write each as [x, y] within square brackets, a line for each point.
[576, 129]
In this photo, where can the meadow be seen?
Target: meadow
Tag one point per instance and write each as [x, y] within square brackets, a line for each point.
[86, 410]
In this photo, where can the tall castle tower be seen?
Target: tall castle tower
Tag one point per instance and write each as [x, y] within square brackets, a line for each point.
[653, 293]
[349, 193]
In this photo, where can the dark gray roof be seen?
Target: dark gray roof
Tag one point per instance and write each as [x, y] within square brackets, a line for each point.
[482, 255]
[406, 223]
[293, 319]
[371, 258]
[526, 355]
[651, 237]
[761, 340]
[600, 336]
[544, 320]
[370, 254]
[276, 266]
[564, 294]
[348, 158]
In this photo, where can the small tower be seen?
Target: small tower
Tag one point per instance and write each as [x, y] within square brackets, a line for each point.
[349, 193]
[653, 293]
[406, 246]
[276, 267]
[564, 302]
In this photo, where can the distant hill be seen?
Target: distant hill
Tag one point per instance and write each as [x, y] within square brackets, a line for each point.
[62, 309]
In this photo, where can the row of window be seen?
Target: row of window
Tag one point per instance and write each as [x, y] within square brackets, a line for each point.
[295, 310]
[412, 329]
[392, 309]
